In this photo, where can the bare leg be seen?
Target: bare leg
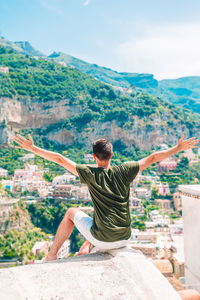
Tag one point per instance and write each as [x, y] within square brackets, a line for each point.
[85, 248]
[63, 233]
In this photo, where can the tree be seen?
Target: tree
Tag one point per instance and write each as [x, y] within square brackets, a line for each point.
[75, 240]
[154, 194]
[182, 164]
[48, 177]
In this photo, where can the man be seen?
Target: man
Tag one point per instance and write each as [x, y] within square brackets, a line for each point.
[109, 188]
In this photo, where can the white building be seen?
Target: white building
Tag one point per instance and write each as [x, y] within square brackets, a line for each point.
[158, 219]
[176, 227]
[40, 247]
[4, 70]
[88, 157]
[62, 63]
[163, 147]
[3, 172]
[191, 221]
[142, 193]
[64, 179]
[28, 156]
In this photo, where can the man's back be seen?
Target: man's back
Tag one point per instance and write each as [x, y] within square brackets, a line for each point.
[109, 190]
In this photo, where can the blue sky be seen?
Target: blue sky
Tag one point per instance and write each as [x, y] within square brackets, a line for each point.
[158, 37]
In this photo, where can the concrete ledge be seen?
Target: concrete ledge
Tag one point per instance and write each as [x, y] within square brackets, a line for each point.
[122, 274]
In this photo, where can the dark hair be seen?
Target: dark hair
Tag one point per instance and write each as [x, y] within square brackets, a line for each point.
[102, 148]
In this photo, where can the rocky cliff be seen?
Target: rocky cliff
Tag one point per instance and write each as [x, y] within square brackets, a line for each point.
[49, 116]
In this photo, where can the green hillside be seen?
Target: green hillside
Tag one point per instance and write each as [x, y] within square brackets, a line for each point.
[94, 108]
[184, 92]
[46, 80]
[41, 79]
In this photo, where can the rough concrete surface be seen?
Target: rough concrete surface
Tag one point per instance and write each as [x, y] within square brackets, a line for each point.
[123, 274]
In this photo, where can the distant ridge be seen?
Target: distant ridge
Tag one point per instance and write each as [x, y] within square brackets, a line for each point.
[10, 45]
[28, 48]
[23, 47]
[184, 91]
[107, 75]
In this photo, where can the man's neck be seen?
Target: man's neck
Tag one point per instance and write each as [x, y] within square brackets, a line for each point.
[105, 165]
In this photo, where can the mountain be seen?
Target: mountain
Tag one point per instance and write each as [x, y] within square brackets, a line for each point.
[28, 48]
[10, 45]
[65, 108]
[23, 47]
[183, 92]
[105, 74]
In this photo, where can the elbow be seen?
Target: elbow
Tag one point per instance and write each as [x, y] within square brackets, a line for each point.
[153, 158]
[59, 159]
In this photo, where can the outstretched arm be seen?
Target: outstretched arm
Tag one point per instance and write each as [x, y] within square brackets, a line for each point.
[160, 155]
[28, 145]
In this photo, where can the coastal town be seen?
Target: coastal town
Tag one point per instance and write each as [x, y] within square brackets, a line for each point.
[156, 212]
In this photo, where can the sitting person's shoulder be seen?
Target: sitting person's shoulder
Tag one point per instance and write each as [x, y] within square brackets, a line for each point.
[84, 172]
[128, 170]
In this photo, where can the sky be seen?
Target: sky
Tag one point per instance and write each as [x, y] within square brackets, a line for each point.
[137, 36]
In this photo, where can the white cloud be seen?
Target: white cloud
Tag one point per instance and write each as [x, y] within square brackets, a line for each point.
[50, 5]
[87, 2]
[168, 52]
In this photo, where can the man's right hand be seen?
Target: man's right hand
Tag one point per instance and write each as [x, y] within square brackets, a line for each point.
[28, 144]
[23, 143]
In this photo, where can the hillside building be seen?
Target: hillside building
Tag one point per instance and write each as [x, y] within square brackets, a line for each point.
[142, 193]
[164, 204]
[162, 188]
[149, 249]
[166, 165]
[4, 70]
[64, 179]
[42, 246]
[62, 190]
[3, 172]
[177, 201]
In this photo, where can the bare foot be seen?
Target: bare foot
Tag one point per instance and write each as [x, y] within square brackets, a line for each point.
[49, 257]
[85, 249]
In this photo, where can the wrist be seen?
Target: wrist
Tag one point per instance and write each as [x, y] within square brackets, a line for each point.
[32, 148]
[178, 148]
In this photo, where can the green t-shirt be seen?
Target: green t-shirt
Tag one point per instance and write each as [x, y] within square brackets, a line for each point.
[109, 190]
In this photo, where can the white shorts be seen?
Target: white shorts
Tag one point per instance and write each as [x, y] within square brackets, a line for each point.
[83, 223]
